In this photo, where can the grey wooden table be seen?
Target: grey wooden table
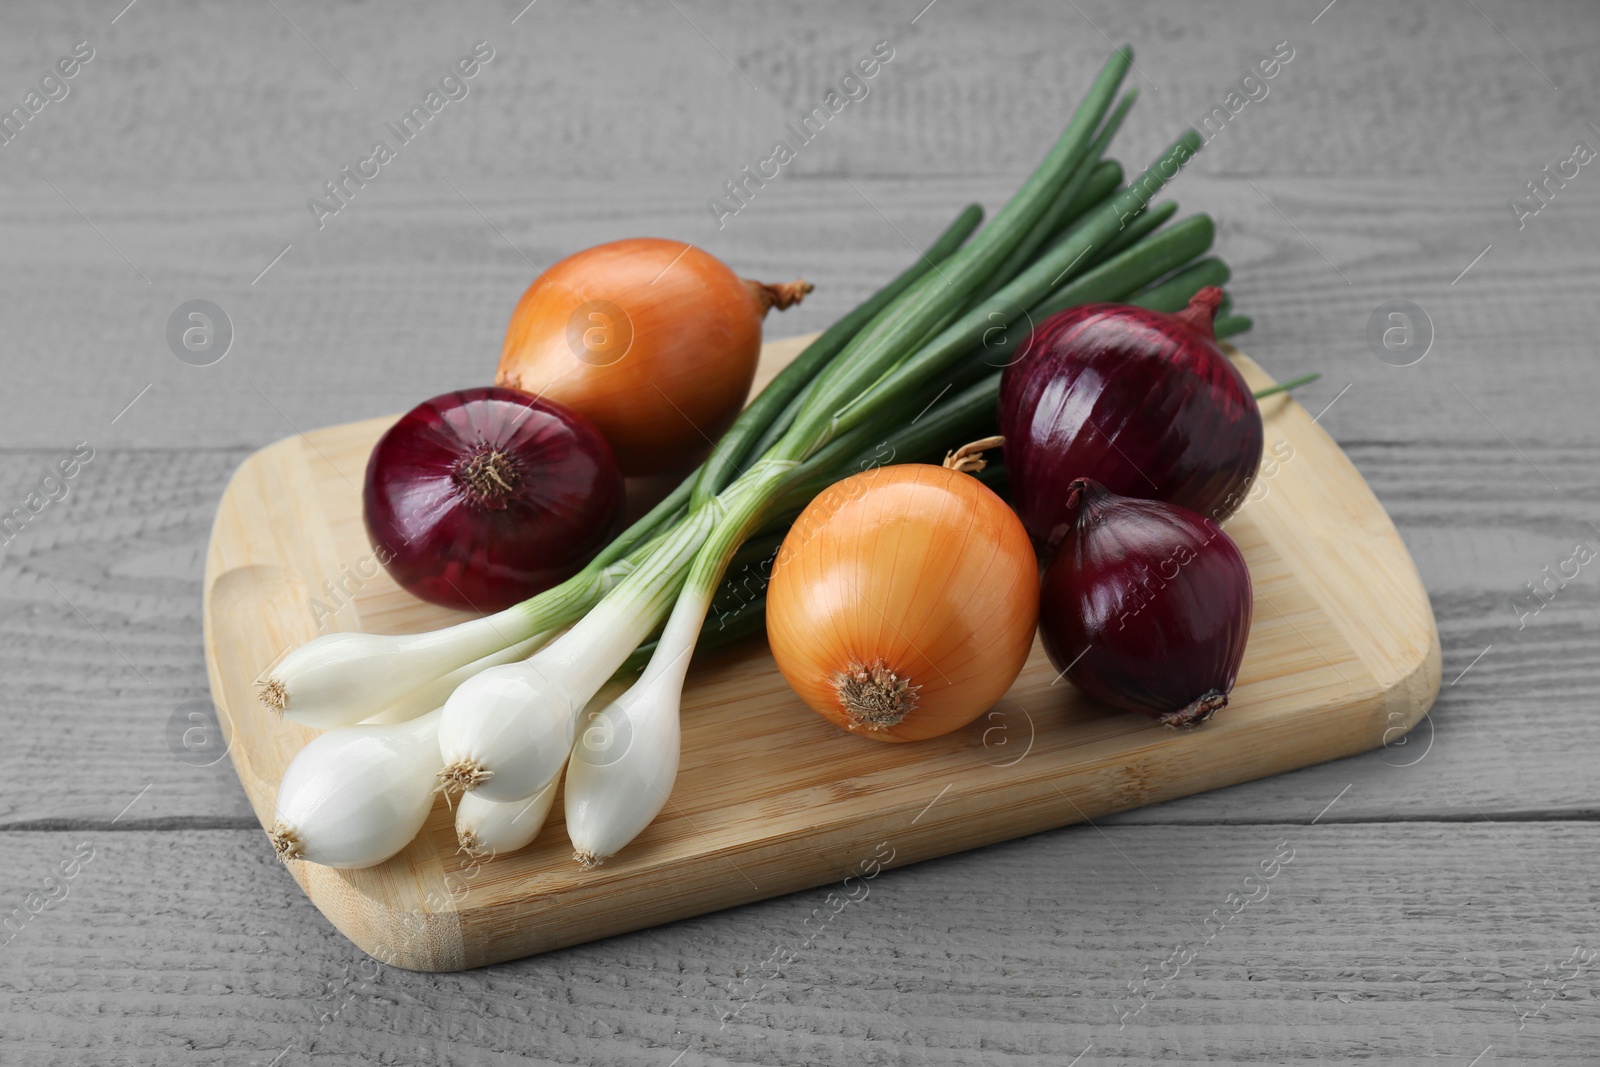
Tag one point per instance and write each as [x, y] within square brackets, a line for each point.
[1441, 904]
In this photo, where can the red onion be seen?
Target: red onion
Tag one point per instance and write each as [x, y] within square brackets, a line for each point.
[1141, 401]
[482, 498]
[1146, 606]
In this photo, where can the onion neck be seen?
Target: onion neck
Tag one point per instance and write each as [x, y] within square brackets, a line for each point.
[782, 296]
[968, 459]
[1085, 494]
[1202, 311]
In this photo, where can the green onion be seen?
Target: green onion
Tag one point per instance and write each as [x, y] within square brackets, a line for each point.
[1066, 207]
[1231, 325]
[1174, 293]
[1284, 387]
[769, 407]
[1143, 224]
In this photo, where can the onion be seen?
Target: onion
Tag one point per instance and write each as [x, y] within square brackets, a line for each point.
[482, 498]
[355, 796]
[654, 340]
[1146, 606]
[494, 828]
[903, 602]
[1143, 402]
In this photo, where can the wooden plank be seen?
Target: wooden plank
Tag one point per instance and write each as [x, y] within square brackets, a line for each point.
[534, 112]
[1394, 943]
[339, 330]
[1343, 652]
[411, 286]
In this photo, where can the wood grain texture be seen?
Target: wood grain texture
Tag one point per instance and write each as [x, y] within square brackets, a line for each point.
[340, 330]
[1394, 945]
[1343, 656]
[1391, 143]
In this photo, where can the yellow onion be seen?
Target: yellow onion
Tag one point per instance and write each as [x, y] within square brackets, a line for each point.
[903, 602]
[655, 341]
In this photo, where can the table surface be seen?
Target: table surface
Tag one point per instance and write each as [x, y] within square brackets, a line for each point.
[1441, 899]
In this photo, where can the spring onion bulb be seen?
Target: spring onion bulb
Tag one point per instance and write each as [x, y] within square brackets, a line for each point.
[495, 828]
[342, 678]
[623, 767]
[357, 795]
[506, 732]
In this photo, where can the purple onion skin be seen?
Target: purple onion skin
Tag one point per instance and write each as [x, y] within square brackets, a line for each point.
[1146, 606]
[1143, 402]
[479, 499]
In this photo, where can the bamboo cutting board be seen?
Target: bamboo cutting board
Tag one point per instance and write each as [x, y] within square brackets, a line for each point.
[1343, 656]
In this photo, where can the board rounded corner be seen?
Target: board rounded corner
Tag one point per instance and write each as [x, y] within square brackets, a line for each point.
[402, 935]
[1405, 699]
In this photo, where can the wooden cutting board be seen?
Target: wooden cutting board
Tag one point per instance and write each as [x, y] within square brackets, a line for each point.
[1343, 657]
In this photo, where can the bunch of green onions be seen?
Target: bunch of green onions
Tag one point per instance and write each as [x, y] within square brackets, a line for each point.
[933, 341]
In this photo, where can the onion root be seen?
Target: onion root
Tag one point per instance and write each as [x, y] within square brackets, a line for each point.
[490, 475]
[1193, 715]
[285, 842]
[875, 697]
[274, 696]
[463, 776]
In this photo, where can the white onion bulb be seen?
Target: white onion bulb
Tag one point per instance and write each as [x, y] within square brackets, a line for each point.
[341, 678]
[507, 732]
[626, 761]
[622, 770]
[355, 796]
[494, 828]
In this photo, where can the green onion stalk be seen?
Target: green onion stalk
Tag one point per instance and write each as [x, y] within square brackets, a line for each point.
[616, 786]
